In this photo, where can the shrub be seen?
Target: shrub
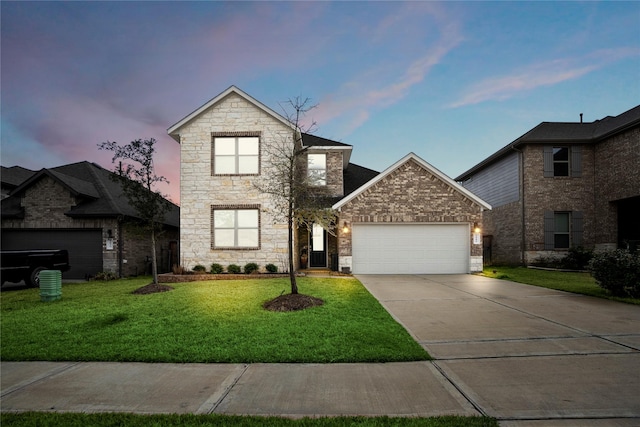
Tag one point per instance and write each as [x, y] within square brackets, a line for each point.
[199, 268]
[577, 259]
[216, 268]
[618, 272]
[104, 276]
[250, 267]
[234, 269]
[271, 268]
[178, 269]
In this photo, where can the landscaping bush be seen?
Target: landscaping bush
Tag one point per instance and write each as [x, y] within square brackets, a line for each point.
[577, 259]
[234, 269]
[271, 268]
[216, 268]
[199, 268]
[250, 267]
[618, 272]
[104, 276]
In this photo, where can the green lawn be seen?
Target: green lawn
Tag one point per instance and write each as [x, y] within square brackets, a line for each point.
[213, 321]
[579, 283]
[38, 419]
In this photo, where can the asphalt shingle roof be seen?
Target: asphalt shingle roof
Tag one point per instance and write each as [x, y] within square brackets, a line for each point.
[99, 194]
[565, 132]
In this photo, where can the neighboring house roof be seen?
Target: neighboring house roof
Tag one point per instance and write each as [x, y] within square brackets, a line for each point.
[566, 133]
[425, 165]
[14, 176]
[99, 194]
[174, 131]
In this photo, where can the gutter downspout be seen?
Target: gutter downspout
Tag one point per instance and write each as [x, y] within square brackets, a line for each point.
[522, 211]
[120, 247]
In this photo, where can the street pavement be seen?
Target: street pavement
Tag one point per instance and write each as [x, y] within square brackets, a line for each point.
[525, 355]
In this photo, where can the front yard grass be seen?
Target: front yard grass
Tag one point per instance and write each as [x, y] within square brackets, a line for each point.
[208, 322]
[40, 419]
[578, 283]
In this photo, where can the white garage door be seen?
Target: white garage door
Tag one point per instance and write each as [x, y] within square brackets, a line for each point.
[410, 248]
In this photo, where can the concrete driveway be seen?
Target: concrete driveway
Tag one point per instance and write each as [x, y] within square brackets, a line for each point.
[523, 354]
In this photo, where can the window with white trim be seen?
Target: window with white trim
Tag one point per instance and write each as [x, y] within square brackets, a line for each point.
[236, 155]
[317, 168]
[235, 228]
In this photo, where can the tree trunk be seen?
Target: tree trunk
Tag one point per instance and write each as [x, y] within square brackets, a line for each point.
[154, 262]
[292, 273]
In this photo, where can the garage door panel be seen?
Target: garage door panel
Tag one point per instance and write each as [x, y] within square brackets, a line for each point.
[84, 247]
[410, 248]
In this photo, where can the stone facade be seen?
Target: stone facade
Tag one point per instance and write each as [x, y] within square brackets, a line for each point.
[410, 194]
[200, 190]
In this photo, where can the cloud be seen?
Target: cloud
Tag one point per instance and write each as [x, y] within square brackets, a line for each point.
[540, 74]
[382, 86]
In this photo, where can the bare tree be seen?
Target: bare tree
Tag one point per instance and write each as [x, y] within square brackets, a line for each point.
[294, 196]
[137, 179]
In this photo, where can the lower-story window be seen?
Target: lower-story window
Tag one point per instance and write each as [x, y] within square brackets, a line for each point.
[235, 228]
[562, 229]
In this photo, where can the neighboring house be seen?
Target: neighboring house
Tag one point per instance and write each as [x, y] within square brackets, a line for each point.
[562, 185]
[409, 219]
[13, 177]
[79, 207]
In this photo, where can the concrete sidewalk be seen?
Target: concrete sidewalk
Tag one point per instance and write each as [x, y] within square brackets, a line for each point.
[291, 390]
[525, 355]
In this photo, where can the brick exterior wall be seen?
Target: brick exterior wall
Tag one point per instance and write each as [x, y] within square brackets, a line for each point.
[617, 177]
[555, 194]
[504, 225]
[410, 194]
[200, 190]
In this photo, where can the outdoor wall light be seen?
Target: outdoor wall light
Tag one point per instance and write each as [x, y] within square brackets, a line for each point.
[476, 228]
[109, 233]
[345, 228]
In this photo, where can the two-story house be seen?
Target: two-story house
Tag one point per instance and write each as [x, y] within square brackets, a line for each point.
[562, 185]
[411, 218]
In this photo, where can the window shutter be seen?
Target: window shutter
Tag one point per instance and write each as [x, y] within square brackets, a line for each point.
[576, 161]
[549, 226]
[548, 162]
[577, 228]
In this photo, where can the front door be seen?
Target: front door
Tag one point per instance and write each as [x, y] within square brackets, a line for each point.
[318, 240]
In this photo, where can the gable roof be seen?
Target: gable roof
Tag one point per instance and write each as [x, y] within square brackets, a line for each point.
[14, 176]
[99, 195]
[174, 131]
[355, 176]
[566, 133]
[423, 164]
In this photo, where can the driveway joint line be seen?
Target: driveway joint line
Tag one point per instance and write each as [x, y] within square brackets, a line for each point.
[475, 405]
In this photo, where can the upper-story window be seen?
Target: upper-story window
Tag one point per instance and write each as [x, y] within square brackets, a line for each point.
[562, 161]
[317, 169]
[238, 155]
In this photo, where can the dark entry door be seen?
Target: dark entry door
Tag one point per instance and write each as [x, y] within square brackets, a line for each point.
[318, 240]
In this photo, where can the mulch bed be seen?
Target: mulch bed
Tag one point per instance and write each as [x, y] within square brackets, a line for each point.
[152, 288]
[292, 302]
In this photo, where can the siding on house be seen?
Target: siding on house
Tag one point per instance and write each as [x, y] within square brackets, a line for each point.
[498, 184]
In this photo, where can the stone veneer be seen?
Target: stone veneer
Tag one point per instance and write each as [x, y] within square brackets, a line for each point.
[200, 190]
[410, 194]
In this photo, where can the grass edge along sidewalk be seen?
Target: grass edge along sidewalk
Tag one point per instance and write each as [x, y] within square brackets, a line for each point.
[203, 322]
[42, 419]
[575, 282]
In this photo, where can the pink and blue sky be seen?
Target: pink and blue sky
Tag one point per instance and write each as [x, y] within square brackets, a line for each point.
[452, 82]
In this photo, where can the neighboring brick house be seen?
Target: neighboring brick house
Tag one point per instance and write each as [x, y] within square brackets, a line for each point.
[79, 207]
[413, 214]
[562, 185]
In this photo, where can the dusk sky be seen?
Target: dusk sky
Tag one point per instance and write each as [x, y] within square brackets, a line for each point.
[452, 82]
